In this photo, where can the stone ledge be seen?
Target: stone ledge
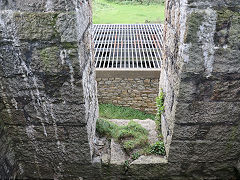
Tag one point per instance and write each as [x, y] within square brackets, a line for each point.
[128, 73]
[150, 160]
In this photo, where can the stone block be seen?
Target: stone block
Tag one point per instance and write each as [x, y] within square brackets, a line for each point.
[35, 5]
[185, 132]
[57, 152]
[202, 151]
[35, 26]
[226, 61]
[47, 133]
[66, 27]
[118, 156]
[225, 133]
[207, 112]
[226, 91]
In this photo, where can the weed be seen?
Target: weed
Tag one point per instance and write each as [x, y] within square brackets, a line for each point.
[126, 165]
[160, 110]
[135, 155]
[110, 111]
[157, 148]
[160, 104]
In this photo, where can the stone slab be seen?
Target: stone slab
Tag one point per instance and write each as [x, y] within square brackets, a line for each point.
[150, 160]
[118, 156]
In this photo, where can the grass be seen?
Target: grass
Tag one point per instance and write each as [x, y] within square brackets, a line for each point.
[107, 12]
[109, 111]
[132, 136]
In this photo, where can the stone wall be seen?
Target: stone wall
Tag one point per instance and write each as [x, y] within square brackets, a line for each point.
[7, 158]
[48, 103]
[137, 93]
[200, 79]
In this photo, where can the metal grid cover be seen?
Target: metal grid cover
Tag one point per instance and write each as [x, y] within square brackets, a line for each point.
[120, 46]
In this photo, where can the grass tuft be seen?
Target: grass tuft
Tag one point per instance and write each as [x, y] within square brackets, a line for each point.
[130, 136]
[110, 111]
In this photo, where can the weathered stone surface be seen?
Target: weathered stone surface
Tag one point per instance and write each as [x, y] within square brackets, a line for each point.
[199, 78]
[48, 103]
[208, 112]
[66, 26]
[7, 155]
[118, 156]
[150, 160]
[138, 93]
[35, 5]
[35, 26]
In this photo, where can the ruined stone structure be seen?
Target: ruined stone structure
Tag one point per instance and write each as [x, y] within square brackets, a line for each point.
[48, 104]
[135, 89]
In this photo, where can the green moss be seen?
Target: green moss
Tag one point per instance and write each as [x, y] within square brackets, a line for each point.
[50, 58]
[136, 155]
[69, 45]
[56, 34]
[157, 148]
[228, 28]
[106, 128]
[193, 23]
[232, 139]
[224, 16]
[36, 25]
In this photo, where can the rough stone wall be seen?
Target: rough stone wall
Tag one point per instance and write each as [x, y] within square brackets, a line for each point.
[200, 79]
[48, 93]
[137, 93]
[48, 103]
[7, 159]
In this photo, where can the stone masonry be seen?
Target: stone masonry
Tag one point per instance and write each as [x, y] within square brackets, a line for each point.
[137, 93]
[48, 98]
[48, 103]
[201, 81]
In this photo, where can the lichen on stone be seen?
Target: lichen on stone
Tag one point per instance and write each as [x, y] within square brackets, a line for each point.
[33, 26]
[193, 25]
[227, 28]
[50, 58]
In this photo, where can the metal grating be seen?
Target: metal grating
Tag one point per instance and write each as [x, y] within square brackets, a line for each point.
[128, 46]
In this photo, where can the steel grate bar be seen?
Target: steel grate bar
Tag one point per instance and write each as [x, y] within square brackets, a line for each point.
[124, 46]
[151, 44]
